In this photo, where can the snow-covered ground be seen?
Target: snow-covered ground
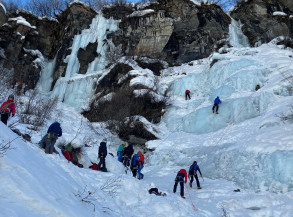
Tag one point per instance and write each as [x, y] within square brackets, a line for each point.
[245, 146]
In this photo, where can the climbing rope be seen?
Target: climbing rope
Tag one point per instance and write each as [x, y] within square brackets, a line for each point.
[195, 209]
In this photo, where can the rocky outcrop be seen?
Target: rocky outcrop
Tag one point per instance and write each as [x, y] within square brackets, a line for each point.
[86, 56]
[260, 23]
[176, 31]
[27, 40]
[118, 104]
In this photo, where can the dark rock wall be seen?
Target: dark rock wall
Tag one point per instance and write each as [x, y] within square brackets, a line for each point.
[176, 31]
[259, 23]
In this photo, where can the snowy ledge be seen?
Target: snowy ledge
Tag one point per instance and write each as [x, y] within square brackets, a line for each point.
[22, 21]
[141, 13]
[279, 13]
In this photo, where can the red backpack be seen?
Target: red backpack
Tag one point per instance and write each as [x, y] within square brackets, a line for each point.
[68, 155]
[95, 166]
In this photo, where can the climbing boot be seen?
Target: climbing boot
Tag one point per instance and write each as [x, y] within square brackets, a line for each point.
[183, 197]
[198, 187]
[190, 184]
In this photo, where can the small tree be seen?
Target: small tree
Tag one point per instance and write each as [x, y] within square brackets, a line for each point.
[46, 7]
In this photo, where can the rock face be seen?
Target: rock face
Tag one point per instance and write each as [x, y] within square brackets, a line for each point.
[260, 24]
[27, 40]
[117, 104]
[176, 31]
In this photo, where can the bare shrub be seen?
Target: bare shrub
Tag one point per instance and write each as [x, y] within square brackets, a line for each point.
[46, 7]
[225, 213]
[114, 54]
[5, 146]
[5, 81]
[36, 110]
[87, 196]
[111, 186]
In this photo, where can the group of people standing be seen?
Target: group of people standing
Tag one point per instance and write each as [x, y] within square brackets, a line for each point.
[136, 162]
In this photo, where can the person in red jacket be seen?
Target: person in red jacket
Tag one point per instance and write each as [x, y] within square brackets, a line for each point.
[7, 108]
[187, 94]
[181, 175]
[140, 164]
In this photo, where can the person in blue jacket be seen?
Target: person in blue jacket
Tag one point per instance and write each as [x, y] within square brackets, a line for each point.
[120, 151]
[102, 155]
[54, 131]
[134, 164]
[193, 172]
[217, 101]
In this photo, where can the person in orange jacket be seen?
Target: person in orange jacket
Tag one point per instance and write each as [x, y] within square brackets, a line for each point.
[140, 164]
[181, 175]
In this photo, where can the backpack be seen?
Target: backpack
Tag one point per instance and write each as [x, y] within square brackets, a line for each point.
[134, 160]
[68, 155]
[191, 169]
[95, 166]
[43, 141]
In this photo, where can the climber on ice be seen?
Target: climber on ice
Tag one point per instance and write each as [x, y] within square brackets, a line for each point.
[187, 94]
[181, 175]
[193, 172]
[217, 101]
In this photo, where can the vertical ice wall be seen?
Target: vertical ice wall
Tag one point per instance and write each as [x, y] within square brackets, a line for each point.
[46, 77]
[76, 89]
[236, 36]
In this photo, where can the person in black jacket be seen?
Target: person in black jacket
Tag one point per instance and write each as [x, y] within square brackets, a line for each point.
[127, 154]
[102, 155]
[54, 131]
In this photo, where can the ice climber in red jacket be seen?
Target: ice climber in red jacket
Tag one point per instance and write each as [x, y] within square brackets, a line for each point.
[181, 175]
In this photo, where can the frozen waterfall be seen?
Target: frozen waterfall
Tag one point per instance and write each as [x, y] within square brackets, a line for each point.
[236, 36]
[76, 89]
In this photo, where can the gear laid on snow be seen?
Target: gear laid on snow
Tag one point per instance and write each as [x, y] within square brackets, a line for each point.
[155, 191]
[94, 166]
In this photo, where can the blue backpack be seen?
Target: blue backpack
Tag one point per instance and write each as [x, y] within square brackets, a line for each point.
[134, 161]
